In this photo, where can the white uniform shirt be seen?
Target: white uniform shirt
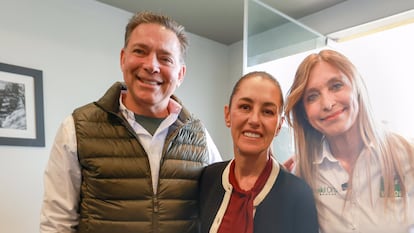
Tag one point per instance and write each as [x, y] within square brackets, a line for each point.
[365, 211]
[62, 177]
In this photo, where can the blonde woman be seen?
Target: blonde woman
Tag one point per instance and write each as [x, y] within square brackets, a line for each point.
[362, 175]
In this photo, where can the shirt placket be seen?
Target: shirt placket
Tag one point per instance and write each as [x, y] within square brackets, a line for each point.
[357, 182]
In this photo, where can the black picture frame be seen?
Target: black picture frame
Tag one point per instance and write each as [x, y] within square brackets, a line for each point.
[21, 106]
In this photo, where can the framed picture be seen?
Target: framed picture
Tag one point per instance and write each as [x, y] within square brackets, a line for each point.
[21, 106]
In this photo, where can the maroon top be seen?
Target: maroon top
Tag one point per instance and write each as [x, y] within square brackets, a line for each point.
[239, 213]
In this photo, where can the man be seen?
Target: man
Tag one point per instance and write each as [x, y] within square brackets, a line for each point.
[130, 162]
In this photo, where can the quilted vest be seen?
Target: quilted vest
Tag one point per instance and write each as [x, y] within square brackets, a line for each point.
[116, 190]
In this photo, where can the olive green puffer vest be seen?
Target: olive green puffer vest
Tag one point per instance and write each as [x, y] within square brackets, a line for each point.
[116, 189]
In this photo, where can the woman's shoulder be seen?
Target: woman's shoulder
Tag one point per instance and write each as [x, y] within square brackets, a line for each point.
[399, 145]
[215, 168]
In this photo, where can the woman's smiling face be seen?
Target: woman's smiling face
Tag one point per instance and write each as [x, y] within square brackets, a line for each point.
[254, 115]
[330, 102]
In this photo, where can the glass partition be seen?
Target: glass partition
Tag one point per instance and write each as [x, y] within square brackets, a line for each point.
[270, 34]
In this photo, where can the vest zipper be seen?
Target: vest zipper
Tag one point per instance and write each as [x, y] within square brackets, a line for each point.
[155, 209]
[155, 204]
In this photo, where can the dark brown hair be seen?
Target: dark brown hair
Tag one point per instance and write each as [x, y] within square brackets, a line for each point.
[163, 20]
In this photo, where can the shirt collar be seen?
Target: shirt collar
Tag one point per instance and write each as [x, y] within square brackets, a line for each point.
[173, 108]
[269, 184]
[327, 154]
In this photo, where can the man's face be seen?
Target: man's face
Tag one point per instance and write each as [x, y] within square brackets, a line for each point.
[152, 69]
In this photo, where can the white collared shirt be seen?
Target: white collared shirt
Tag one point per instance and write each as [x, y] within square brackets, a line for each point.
[62, 177]
[364, 212]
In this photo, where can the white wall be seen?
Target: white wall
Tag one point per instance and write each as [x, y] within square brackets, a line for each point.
[204, 88]
[235, 71]
[76, 44]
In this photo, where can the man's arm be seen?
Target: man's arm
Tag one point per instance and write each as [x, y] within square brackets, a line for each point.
[62, 177]
[214, 154]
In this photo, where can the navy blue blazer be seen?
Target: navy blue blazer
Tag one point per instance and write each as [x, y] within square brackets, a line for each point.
[289, 207]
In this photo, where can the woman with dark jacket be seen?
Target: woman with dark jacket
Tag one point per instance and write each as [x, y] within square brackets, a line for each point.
[252, 192]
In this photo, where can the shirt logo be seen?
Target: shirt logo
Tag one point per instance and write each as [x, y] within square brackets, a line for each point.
[397, 187]
[327, 191]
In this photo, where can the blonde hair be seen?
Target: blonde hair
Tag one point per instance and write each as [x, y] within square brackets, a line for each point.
[308, 141]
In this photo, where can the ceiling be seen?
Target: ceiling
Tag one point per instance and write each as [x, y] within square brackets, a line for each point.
[222, 20]
[218, 20]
